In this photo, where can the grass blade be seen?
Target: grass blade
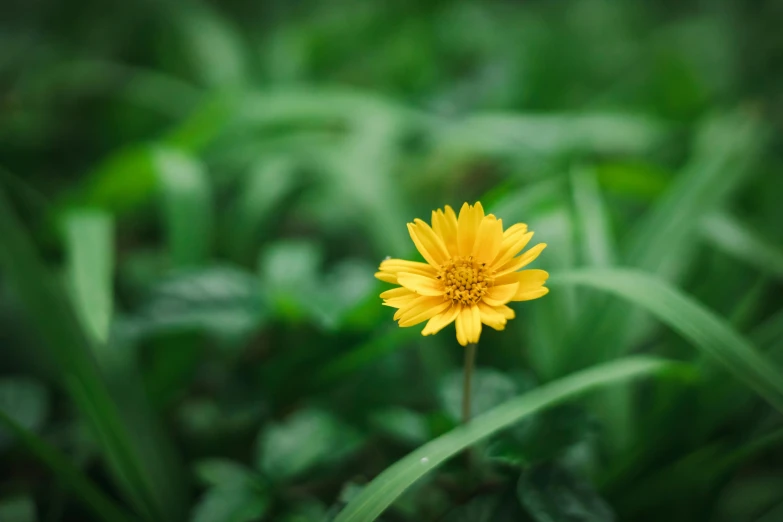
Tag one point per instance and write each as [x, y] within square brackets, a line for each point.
[70, 349]
[591, 218]
[187, 206]
[390, 484]
[89, 238]
[705, 330]
[70, 476]
[734, 238]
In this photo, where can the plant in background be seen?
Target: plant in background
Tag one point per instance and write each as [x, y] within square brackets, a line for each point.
[472, 272]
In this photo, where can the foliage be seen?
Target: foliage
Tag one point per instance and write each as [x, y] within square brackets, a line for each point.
[194, 198]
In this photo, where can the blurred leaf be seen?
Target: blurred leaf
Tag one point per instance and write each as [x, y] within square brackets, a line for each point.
[498, 507]
[382, 491]
[69, 475]
[366, 353]
[546, 435]
[221, 300]
[725, 149]
[19, 509]
[552, 135]
[307, 511]
[222, 472]
[401, 424]
[207, 122]
[773, 514]
[698, 325]
[187, 206]
[734, 238]
[154, 494]
[25, 401]
[592, 221]
[490, 388]
[290, 273]
[552, 494]
[644, 181]
[214, 48]
[231, 503]
[89, 238]
[305, 440]
[264, 186]
[123, 181]
[343, 288]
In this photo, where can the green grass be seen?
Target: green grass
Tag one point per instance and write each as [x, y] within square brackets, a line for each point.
[190, 222]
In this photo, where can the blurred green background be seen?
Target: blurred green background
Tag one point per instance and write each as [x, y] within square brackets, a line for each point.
[194, 197]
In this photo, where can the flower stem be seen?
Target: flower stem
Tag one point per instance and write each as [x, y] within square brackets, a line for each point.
[470, 358]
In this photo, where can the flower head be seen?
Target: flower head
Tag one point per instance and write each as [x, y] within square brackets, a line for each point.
[471, 273]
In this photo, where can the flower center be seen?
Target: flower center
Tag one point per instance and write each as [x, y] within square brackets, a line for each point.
[465, 280]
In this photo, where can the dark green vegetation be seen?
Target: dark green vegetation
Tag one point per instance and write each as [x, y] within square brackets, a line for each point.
[193, 200]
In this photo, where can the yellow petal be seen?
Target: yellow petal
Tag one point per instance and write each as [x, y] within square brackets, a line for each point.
[422, 314]
[468, 324]
[515, 230]
[429, 244]
[470, 218]
[488, 239]
[507, 312]
[440, 321]
[520, 261]
[422, 285]
[445, 225]
[473, 324]
[531, 294]
[510, 247]
[403, 265]
[491, 316]
[386, 277]
[400, 302]
[416, 305]
[391, 267]
[396, 292]
[531, 279]
[459, 324]
[500, 294]
[527, 279]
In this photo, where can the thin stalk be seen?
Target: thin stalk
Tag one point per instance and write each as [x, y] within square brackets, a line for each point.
[470, 358]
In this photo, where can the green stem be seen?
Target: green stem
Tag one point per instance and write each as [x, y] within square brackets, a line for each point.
[470, 358]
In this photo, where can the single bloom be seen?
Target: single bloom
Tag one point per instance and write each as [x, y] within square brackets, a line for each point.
[472, 272]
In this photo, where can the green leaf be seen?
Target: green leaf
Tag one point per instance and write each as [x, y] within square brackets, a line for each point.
[552, 494]
[390, 484]
[591, 219]
[734, 238]
[497, 507]
[231, 504]
[89, 243]
[264, 186]
[222, 301]
[489, 388]
[18, 509]
[726, 147]
[401, 424]
[305, 440]
[213, 47]
[290, 273]
[187, 206]
[222, 472]
[543, 436]
[128, 453]
[25, 401]
[552, 135]
[69, 475]
[702, 328]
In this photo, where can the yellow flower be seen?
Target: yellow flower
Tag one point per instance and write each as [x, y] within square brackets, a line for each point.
[470, 274]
